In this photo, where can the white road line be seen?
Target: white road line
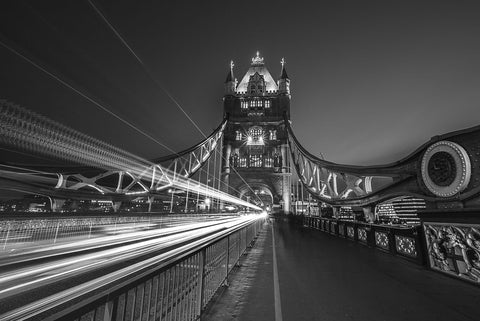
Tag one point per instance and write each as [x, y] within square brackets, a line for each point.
[276, 286]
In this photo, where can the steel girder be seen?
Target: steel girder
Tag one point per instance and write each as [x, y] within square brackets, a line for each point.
[441, 171]
[115, 171]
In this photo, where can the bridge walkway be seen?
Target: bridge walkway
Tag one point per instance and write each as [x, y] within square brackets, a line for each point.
[323, 277]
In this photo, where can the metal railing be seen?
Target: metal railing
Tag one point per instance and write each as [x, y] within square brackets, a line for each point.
[176, 285]
[28, 231]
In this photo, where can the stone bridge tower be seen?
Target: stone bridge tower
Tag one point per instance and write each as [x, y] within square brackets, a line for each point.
[255, 156]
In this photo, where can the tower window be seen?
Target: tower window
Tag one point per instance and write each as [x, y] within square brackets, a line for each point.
[238, 135]
[273, 134]
[268, 162]
[267, 103]
[255, 136]
[255, 160]
[243, 162]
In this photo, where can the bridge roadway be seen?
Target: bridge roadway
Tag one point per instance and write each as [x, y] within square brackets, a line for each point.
[326, 278]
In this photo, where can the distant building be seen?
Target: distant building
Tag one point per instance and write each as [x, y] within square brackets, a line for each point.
[404, 208]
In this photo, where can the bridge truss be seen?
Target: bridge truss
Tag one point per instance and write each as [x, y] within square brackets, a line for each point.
[108, 172]
[440, 171]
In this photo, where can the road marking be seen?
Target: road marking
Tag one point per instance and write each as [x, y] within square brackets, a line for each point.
[276, 286]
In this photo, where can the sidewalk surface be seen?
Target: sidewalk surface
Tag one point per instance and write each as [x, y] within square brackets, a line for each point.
[323, 277]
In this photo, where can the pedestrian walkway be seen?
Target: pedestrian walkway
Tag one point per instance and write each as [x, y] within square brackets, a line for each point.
[326, 278]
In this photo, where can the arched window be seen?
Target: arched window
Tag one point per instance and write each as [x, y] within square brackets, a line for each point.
[238, 135]
[255, 136]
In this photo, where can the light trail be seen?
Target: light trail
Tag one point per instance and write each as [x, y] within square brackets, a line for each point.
[42, 274]
[40, 305]
[29, 131]
[106, 235]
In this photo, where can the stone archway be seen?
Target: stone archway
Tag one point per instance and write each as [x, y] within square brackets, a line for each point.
[258, 193]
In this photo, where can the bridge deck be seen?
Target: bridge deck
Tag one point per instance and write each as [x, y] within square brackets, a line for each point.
[323, 277]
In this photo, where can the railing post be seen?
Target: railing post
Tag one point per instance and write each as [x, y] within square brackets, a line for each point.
[227, 260]
[90, 230]
[201, 281]
[56, 232]
[6, 237]
[108, 313]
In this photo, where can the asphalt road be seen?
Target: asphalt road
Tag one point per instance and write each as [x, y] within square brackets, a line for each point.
[323, 277]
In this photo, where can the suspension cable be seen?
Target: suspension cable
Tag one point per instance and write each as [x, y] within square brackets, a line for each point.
[117, 34]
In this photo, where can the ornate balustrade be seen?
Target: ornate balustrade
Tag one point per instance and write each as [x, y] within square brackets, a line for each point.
[400, 241]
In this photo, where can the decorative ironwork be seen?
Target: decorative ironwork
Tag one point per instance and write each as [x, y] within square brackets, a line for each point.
[446, 168]
[454, 249]
[350, 232]
[362, 234]
[406, 245]
[341, 229]
[381, 240]
[442, 169]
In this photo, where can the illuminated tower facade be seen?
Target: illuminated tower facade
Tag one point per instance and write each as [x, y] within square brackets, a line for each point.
[255, 158]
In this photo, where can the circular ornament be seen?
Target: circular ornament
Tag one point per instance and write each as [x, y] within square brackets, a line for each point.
[446, 168]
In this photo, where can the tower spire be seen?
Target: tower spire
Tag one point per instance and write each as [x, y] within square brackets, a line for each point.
[283, 74]
[257, 60]
[230, 82]
[230, 76]
[284, 81]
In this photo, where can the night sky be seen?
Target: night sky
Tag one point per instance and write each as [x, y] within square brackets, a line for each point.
[370, 81]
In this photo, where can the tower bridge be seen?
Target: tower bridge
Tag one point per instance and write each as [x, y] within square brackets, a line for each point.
[169, 264]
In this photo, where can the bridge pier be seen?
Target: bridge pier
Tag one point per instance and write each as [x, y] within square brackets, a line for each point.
[116, 205]
[150, 202]
[56, 204]
[369, 214]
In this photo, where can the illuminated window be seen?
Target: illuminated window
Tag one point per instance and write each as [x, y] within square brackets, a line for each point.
[268, 162]
[244, 105]
[267, 103]
[238, 135]
[273, 134]
[255, 136]
[255, 160]
[243, 162]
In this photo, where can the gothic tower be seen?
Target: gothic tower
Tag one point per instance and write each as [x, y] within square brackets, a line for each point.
[255, 156]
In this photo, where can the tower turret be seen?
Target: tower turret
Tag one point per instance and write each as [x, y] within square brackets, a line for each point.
[284, 81]
[230, 82]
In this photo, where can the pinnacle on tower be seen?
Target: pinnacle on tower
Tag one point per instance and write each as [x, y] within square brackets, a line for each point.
[257, 60]
[284, 81]
[230, 76]
[230, 82]
[283, 74]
